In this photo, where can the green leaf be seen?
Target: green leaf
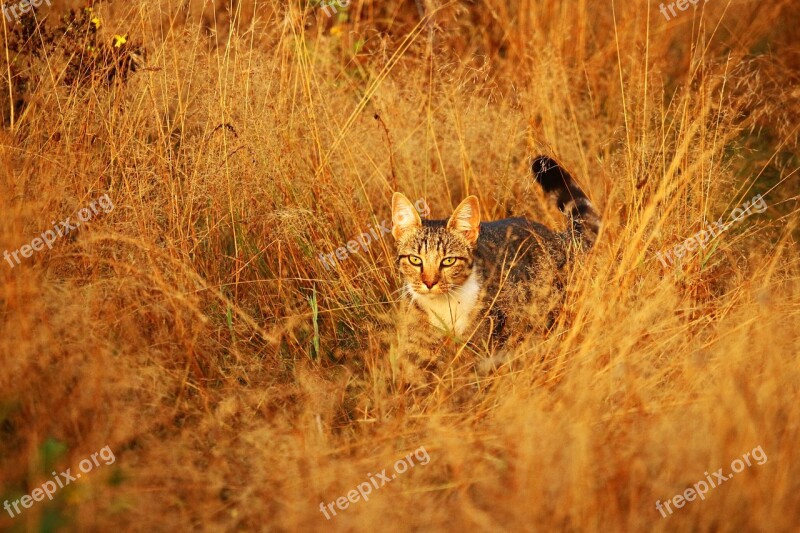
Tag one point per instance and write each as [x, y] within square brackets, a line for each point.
[50, 452]
[312, 300]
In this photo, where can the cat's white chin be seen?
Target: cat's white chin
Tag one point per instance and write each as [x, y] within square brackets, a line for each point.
[427, 293]
[455, 309]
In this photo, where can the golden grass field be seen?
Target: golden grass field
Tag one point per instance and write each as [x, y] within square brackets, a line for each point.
[194, 332]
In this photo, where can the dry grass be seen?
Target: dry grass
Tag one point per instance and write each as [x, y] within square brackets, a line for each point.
[194, 331]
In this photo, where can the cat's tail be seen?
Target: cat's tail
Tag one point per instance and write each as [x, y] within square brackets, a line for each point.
[569, 197]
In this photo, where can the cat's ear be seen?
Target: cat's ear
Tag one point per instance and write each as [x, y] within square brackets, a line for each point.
[404, 216]
[466, 219]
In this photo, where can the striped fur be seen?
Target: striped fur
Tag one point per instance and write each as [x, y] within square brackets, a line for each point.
[569, 198]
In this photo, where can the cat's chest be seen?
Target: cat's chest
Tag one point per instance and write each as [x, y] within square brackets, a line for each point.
[454, 312]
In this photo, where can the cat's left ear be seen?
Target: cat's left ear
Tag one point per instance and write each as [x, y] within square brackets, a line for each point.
[404, 216]
[466, 219]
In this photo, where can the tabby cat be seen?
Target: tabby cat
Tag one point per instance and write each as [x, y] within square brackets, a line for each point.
[484, 283]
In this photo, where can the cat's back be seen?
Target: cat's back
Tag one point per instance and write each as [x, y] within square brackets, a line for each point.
[519, 241]
[510, 233]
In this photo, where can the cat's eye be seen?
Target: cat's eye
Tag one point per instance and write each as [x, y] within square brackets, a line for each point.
[414, 260]
[449, 261]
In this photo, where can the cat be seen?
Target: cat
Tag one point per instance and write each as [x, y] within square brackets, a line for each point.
[472, 282]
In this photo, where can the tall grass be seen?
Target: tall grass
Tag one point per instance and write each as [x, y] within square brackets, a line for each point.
[239, 383]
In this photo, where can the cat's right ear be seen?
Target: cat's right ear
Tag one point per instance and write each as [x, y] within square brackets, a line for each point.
[404, 216]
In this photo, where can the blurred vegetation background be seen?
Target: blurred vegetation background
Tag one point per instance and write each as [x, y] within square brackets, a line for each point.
[239, 383]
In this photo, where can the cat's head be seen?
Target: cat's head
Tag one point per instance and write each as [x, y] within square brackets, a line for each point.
[435, 257]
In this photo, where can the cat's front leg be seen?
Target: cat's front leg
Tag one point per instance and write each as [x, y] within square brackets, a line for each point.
[420, 352]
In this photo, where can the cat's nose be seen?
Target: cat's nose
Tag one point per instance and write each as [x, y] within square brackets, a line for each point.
[429, 284]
